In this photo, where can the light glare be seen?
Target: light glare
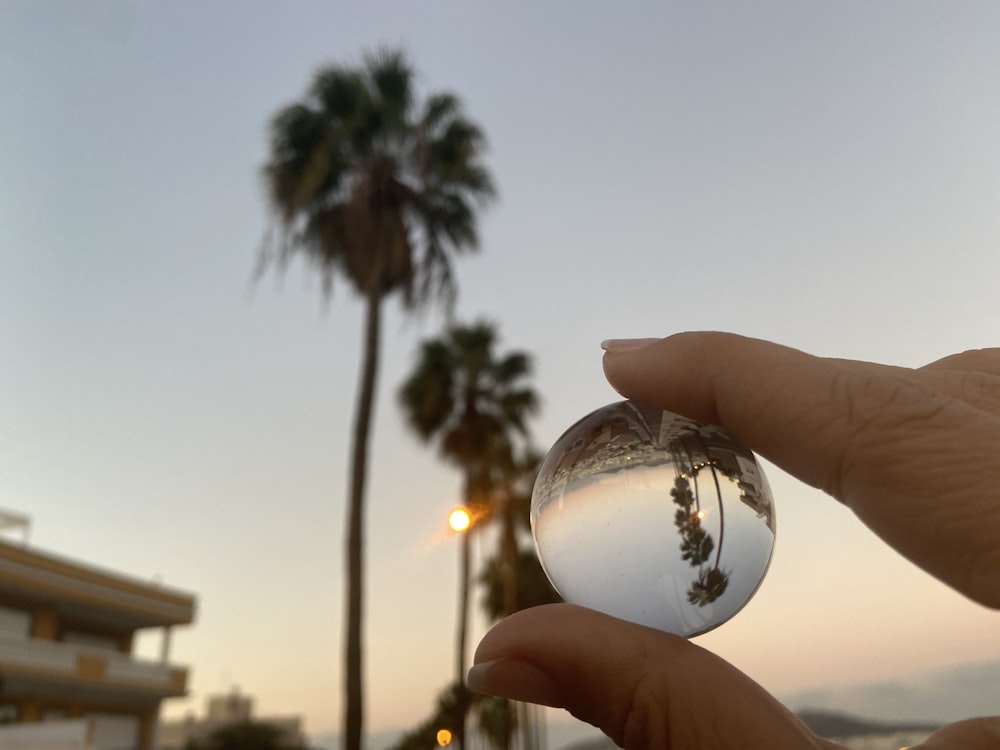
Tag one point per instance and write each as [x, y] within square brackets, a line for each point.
[459, 519]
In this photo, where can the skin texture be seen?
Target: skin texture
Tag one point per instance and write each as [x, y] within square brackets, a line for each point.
[912, 452]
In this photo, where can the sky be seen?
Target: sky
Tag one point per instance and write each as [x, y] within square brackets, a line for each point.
[824, 175]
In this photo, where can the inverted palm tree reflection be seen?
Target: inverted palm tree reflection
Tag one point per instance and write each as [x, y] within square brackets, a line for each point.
[697, 544]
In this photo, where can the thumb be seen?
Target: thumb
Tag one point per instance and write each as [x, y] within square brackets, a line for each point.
[642, 687]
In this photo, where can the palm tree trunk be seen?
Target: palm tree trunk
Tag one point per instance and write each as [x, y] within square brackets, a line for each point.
[353, 647]
[528, 721]
[508, 556]
[462, 693]
[508, 568]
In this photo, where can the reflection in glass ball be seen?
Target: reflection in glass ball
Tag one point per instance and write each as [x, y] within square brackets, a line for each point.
[653, 518]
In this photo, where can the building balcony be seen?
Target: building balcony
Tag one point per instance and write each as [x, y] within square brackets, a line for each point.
[75, 672]
[89, 594]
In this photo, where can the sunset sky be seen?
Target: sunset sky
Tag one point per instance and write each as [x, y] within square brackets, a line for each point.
[825, 175]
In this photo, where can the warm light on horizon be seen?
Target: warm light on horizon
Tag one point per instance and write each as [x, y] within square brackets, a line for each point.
[459, 519]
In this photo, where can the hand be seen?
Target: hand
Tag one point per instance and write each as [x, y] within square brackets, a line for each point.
[912, 452]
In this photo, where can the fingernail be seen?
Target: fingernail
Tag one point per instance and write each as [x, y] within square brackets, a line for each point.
[624, 345]
[476, 679]
[513, 678]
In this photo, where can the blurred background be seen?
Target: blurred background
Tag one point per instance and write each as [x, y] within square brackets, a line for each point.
[822, 175]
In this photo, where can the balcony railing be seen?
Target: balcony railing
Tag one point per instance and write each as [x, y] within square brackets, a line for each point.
[88, 663]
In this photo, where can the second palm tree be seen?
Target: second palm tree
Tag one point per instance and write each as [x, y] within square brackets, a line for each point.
[474, 404]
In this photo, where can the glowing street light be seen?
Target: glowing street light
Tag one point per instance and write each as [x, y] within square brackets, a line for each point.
[443, 737]
[459, 519]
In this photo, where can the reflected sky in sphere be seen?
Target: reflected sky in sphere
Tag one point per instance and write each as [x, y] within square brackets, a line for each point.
[653, 518]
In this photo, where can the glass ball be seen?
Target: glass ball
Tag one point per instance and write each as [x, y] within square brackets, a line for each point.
[650, 517]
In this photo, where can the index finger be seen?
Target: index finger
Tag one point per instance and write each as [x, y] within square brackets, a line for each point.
[783, 403]
[915, 464]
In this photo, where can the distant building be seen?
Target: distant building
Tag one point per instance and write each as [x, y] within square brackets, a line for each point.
[66, 637]
[223, 710]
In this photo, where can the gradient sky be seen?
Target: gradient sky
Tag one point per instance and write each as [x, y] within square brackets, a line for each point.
[826, 175]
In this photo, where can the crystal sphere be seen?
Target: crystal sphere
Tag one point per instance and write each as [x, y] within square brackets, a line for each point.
[650, 517]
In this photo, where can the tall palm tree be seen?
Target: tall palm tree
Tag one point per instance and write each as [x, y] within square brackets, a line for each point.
[372, 186]
[474, 404]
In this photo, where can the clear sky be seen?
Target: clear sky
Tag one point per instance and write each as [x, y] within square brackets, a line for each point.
[826, 175]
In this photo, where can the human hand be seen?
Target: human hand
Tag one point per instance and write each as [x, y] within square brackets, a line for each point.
[913, 452]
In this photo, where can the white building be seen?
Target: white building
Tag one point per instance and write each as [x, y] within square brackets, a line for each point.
[66, 645]
[221, 711]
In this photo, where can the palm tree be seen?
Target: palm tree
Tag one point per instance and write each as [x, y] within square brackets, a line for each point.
[513, 580]
[533, 587]
[510, 578]
[370, 185]
[474, 404]
[442, 720]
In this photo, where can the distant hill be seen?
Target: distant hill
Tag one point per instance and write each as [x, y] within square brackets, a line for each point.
[831, 724]
[938, 696]
[826, 724]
